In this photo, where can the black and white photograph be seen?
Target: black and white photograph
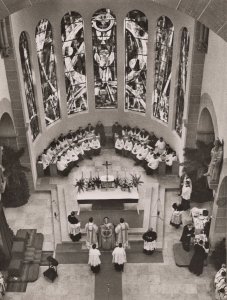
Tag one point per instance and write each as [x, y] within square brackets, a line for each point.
[113, 157]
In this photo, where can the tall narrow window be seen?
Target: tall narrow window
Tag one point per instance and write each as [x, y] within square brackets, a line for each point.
[47, 67]
[105, 58]
[72, 32]
[182, 80]
[28, 85]
[163, 65]
[136, 37]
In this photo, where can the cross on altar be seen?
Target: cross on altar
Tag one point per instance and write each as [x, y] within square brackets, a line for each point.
[107, 164]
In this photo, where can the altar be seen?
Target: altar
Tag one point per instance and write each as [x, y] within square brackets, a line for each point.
[107, 196]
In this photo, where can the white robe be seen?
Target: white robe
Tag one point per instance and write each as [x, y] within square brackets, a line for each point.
[94, 259]
[91, 230]
[122, 234]
[119, 256]
[119, 144]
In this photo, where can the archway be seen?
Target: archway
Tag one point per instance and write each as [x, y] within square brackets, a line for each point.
[205, 131]
[7, 131]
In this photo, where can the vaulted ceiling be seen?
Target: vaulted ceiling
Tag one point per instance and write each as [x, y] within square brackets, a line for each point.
[212, 13]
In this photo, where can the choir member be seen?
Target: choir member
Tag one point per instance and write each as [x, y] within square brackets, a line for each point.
[143, 136]
[90, 130]
[160, 146]
[127, 147]
[141, 154]
[153, 164]
[87, 149]
[116, 130]
[99, 130]
[119, 145]
[95, 146]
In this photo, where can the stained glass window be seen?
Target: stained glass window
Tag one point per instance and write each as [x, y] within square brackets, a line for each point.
[72, 32]
[47, 67]
[105, 58]
[163, 65]
[136, 37]
[182, 80]
[28, 85]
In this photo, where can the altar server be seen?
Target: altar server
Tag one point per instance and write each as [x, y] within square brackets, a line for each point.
[119, 145]
[94, 259]
[122, 233]
[74, 227]
[141, 154]
[153, 164]
[91, 230]
[186, 195]
[95, 146]
[87, 149]
[119, 258]
[136, 148]
[170, 158]
[62, 166]
[160, 146]
[149, 238]
[127, 147]
[143, 136]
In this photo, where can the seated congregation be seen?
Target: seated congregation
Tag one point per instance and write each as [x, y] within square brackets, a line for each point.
[67, 150]
[146, 149]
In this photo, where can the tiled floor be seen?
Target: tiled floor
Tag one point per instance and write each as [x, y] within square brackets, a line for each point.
[140, 281]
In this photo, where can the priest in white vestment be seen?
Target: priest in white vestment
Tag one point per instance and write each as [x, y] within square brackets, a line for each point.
[122, 233]
[91, 231]
[94, 259]
[119, 258]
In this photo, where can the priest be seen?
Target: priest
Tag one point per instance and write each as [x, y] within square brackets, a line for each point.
[122, 233]
[91, 230]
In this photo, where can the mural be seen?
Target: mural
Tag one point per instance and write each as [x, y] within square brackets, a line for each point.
[28, 85]
[47, 67]
[72, 32]
[105, 58]
[136, 37]
[163, 65]
[182, 80]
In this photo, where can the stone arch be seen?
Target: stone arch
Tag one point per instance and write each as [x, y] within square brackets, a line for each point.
[207, 129]
[7, 131]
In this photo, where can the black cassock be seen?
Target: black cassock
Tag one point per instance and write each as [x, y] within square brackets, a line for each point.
[99, 129]
[197, 261]
[186, 237]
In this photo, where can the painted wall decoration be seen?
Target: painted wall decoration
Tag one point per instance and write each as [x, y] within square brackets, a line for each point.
[182, 80]
[105, 58]
[28, 85]
[136, 37]
[163, 65]
[47, 67]
[73, 48]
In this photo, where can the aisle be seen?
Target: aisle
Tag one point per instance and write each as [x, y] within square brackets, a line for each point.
[108, 283]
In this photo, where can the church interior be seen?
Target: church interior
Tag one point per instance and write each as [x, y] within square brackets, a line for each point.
[113, 128]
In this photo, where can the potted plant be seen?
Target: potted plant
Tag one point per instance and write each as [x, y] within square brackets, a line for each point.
[97, 182]
[126, 184]
[136, 180]
[90, 184]
[80, 184]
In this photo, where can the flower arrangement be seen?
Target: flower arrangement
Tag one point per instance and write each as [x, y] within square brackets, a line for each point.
[80, 184]
[136, 180]
[125, 184]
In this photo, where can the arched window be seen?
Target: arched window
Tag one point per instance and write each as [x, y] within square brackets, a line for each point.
[28, 84]
[72, 33]
[47, 67]
[163, 65]
[105, 58]
[182, 80]
[136, 37]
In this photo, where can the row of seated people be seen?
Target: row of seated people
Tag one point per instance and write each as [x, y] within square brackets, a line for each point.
[144, 154]
[68, 150]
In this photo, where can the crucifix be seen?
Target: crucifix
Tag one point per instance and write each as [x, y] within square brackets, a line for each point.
[107, 164]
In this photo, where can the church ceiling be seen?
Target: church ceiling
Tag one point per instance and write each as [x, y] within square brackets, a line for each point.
[212, 13]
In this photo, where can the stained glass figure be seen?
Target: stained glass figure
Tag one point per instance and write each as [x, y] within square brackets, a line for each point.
[47, 67]
[28, 85]
[72, 33]
[105, 58]
[182, 80]
[163, 65]
[136, 37]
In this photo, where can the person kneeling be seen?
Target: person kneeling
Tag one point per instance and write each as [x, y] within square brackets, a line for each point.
[94, 260]
[149, 238]
[119, 258]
